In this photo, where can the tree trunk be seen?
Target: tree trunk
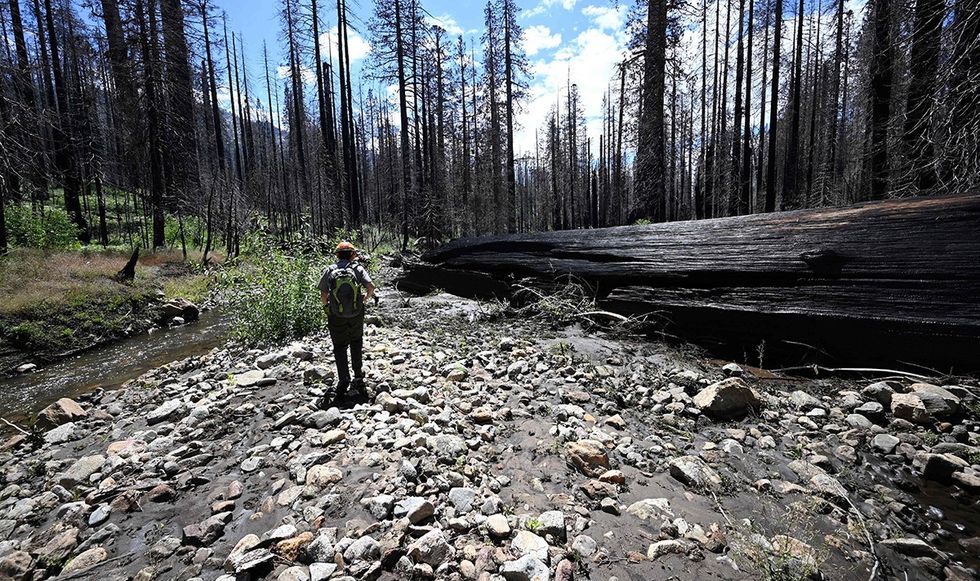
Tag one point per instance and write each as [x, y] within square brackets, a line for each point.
[773, 112]
[745, 199]
[736, 165]
[650, 163]
[180, 94]
[881, 95]
[883, 281]
[791, 179]
[407, 177]
[509, 77]
[65, 155]
[923, 68]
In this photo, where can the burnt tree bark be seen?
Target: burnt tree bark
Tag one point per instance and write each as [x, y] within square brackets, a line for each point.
[883, 281]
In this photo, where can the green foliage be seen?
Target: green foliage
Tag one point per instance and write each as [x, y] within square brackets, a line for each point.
[534, 525]
[642, 222]
[51, 229]
[273, 297]
[195, 288]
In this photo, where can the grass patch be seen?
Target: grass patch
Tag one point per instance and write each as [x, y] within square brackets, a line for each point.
[55, 302]
[195, 288]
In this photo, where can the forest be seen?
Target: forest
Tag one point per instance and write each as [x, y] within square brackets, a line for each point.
[142, 124]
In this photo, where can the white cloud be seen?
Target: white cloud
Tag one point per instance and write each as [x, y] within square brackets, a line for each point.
[607, 17]
[447, 23]
[307, 74]
[537, 38]
[358, 49]
[590, 62]
[544, 5]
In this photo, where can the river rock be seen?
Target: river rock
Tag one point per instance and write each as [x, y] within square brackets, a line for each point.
[164, 547]
[179, 307]
[589, 456]
[294, 573]
[727, 399]
[322, 475]
[462, 499]
[885, 443]
[363, 549]
[16, 565]
[166, 411]
[667, 547]
[269, 360]
[416, 509]
[250, 378]
[26, 368]
[527, 568]
[248, 561]
[552, 523]
[585, 546]
[872, 410]
[207, 531]
[528, 543]
[940, 467]
[61, 434]
[448, 447]
[379, 506]
[803, 401]
[60, 546]
[60, 412]
[650, 508]
[910, 407]
[289, 549]
[939, 402]
[431, 549]
[880, 392]
[497, 526]
[81, 470]
[695, 472]
[911, 547]
[322, 571]
[829, 487]
[85, 560]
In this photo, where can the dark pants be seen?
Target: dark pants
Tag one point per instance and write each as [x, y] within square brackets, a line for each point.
[344, 334]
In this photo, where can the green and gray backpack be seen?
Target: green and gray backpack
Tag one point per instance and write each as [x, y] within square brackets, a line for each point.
[345, 292]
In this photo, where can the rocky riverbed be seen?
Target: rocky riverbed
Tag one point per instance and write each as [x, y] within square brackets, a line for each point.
[495, 449]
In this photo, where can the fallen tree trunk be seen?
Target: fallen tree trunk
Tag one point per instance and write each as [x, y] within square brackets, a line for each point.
[891, 281]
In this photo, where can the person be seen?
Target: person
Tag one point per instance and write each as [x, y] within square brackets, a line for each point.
[344, 288]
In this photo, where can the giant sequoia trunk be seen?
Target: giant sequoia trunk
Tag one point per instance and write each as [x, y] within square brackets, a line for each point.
[894, 281]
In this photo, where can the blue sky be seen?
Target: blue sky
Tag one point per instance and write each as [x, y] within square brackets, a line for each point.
[580, 38]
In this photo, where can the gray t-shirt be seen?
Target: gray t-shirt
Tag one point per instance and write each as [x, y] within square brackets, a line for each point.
[362, 274]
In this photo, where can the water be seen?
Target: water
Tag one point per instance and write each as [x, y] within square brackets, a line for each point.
[110, 366]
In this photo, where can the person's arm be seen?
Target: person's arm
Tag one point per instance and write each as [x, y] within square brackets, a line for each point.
[368, 283]
[324, 286]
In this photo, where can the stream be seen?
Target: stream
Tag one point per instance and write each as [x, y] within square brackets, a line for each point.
[109, 366]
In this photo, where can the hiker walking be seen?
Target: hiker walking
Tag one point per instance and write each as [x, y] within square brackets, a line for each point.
[341, 293]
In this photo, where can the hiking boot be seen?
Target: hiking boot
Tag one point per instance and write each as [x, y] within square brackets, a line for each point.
[340, 393]
[359, 390]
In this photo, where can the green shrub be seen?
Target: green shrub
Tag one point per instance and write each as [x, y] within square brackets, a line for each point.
[26, 334]
[51, 230]
[274, 296]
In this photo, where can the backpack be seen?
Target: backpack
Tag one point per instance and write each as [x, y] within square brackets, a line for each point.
[345, 292]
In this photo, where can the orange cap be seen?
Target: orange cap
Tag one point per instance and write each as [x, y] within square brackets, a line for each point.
[345, 246]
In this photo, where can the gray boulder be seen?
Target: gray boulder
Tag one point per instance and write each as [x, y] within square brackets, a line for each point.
[728, 399]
